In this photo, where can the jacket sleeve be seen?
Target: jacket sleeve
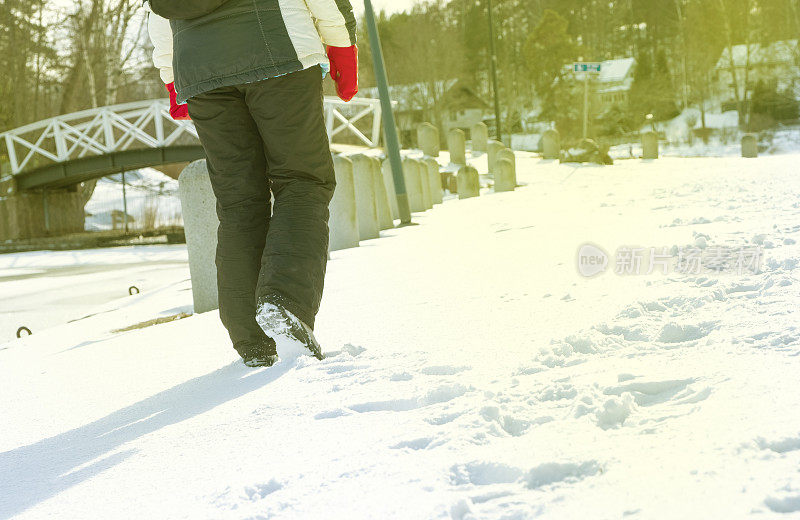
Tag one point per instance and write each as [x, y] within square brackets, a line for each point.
[335, 21]
[161, 36]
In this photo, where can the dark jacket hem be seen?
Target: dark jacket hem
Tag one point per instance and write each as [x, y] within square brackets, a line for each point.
[250, 76]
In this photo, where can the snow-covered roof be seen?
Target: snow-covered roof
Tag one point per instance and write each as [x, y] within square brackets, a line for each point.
[613, 71]
[782, 51]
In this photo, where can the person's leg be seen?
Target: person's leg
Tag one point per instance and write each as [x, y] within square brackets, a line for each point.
[289, 113]
[238, 171]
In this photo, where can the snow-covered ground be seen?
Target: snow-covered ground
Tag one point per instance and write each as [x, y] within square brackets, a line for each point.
[472, 372]
[43, 289]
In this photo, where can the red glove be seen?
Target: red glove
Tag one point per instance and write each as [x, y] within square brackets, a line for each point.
[344, 70]
[178, 112]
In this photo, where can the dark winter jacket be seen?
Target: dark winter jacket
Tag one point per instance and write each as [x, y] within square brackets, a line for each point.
[208, 44]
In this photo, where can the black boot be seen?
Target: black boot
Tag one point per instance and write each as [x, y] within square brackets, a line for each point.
[276, 320]
[258, 355]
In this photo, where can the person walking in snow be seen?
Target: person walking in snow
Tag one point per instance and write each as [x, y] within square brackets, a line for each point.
[252, 71]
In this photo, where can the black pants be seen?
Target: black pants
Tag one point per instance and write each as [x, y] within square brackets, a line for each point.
[259, 138]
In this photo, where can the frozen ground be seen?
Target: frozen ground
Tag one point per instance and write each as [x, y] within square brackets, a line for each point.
[472, 372]
[46, 288]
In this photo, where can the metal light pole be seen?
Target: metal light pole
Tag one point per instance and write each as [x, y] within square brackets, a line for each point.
[389, 127]
[124, 204]
[586, 105]
[493, 67]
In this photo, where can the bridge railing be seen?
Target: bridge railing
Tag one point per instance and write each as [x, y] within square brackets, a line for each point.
[147, 124]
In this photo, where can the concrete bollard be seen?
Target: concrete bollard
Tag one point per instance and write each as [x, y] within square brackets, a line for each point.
[649, 145]
[457, 144]
[344, 217]
[469, 184]
[366, 209]
[551, 144]
[504, 177]
[428, 139]
[492, 149]
[200, 222]
[480, 137]
[452, 183]
[382, 205]
[388, 182]
[507, 154]
[435, 179]
[413, 184]
[427, 197]
[749, 146]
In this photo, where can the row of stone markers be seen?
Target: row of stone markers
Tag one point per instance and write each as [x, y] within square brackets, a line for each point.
[466, 183]
[365, 201]
[650, 146]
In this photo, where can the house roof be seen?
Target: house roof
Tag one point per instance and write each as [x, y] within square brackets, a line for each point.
[779, 52]
[613, 71]
[415, 96]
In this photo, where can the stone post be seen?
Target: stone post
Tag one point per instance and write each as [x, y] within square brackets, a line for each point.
[452, 183]
[435, 179]
[413, 184]
[388, 182]
[551, 144]
[200, 223]
[344, 217]
[366, 209]
[649, 145]
[508, 155]
[428, 139]
[457, 144]
[480, 137]
[749, 146]
[469, 184]
[381, 196]
[492, 150]
[427, 197]
[504, 177]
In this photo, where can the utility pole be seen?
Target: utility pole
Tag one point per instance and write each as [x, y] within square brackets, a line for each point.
[586, 68]
[389, 127]
[585, 105]
[493, 67]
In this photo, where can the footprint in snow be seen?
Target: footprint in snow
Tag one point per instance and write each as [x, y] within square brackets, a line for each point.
[331, 414]
[444, 370]
[260, 491]
[442, 394]
[788, 503]
[415, 444]
[781, 446]
[649, 393]
[485, 473]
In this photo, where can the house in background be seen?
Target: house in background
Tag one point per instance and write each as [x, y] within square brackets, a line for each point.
[775, 64]
[613, 84]
[459, 105]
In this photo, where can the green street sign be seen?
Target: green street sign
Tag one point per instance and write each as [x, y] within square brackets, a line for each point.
[582, 66]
